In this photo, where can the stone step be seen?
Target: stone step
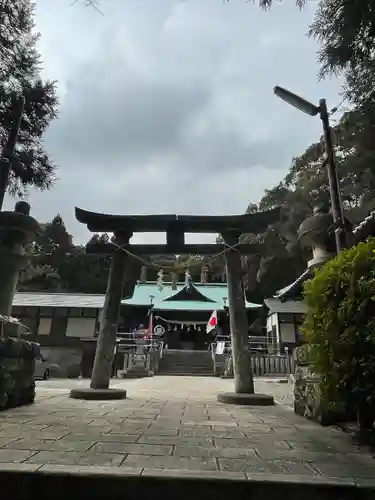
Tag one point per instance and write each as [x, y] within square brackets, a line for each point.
[191, 368]
[186, 374]
[184, 367]
[198, 365]
[186, 362]
[190, 363]
[97, 482]
[171, 363]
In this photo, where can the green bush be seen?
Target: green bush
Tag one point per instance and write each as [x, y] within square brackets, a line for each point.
[340, 327]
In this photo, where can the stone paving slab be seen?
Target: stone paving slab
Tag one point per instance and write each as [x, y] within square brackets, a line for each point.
[173, 426]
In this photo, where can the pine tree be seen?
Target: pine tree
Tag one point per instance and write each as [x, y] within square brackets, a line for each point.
[20, 66]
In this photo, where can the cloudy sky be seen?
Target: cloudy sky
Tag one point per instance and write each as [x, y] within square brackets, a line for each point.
[167, 105]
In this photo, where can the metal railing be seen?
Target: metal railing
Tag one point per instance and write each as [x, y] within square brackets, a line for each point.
[263, 362]
[140, 354]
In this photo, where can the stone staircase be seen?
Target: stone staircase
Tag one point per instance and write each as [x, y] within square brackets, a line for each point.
[183, 362]
[31, 481]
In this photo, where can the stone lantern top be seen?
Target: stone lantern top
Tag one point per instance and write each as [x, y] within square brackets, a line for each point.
[17, 226]
[317, 233]
[22, 207]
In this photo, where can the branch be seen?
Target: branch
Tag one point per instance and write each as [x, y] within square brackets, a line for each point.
[89, 3]
[263, 4]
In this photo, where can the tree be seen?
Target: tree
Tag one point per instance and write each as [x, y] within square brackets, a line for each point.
[345, 31]
[84, 273]
[55, 264]
[39, 278]
[19, 75]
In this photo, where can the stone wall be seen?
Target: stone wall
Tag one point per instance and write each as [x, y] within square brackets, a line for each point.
[308, 401]
[17, 363]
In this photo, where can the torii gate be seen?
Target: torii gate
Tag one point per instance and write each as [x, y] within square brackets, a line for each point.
[231, 227]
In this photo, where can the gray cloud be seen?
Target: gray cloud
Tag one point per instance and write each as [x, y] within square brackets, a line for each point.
[167, 106]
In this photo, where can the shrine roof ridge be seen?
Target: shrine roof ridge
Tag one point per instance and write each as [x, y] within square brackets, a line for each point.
[188, 223]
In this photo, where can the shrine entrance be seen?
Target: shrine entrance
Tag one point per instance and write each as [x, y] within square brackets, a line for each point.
[126, 258]
[186, 337]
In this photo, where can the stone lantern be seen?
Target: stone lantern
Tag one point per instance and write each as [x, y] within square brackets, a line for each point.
[17, 228]
[317, 233]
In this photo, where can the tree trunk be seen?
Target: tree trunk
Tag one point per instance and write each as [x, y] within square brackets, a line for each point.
[105, 348]
[243, 376]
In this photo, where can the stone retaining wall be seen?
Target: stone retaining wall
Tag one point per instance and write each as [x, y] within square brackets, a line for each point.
[17, 364]
[308, 401]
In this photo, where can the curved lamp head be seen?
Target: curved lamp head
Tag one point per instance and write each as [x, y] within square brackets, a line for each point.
[296, 101]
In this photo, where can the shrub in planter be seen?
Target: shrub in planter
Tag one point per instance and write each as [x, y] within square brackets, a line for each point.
[340, 328]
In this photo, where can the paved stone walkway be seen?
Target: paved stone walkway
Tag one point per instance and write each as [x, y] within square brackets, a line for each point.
[174, 425]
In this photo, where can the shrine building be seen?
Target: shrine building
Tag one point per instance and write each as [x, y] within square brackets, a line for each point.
[180, 311]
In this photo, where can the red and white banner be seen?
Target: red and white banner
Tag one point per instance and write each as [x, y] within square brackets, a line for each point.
[212, 322]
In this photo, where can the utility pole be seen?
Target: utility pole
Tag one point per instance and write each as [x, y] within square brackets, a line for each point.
[334, 191]
[313, 110]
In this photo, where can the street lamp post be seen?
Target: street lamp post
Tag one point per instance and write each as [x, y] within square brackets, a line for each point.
[334, 191]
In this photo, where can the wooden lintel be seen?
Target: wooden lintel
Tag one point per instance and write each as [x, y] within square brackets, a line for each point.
[186, 249]
[246, 223]
[175, 235]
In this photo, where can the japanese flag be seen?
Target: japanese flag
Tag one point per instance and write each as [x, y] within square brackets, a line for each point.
[212, 322]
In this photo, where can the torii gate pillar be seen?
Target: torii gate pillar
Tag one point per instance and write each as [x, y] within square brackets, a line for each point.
[243, 377]
[239, 329]
[101, 374]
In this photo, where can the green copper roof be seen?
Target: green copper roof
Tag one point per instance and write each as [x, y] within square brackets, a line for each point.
[205, 297]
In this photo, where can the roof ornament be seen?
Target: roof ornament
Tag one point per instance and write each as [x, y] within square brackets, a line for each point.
[188, 279]
[143, 277]
[204, 273]
[174, 281]
[160, 280]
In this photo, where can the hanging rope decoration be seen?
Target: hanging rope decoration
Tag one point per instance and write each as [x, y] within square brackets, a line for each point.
[180, 267]
[181, 323]
[188, 279]
[160, 280]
